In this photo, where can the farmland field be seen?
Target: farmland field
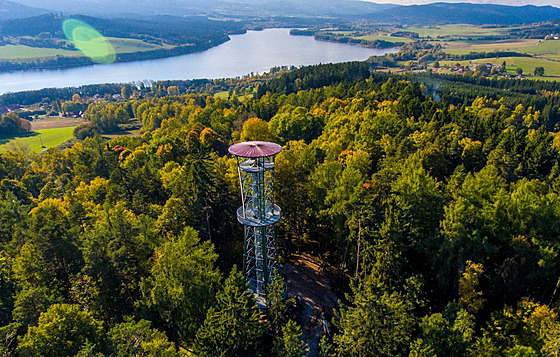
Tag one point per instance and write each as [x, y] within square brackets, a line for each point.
[465, 47]
[56, 122]
[383, 37]
[121, 45]
[47, 133]
[24, 52]
[455, 31]
[465, 39]
[528, 65]
[529, 46]
[128, 45]
[40, 139]
[543, 47]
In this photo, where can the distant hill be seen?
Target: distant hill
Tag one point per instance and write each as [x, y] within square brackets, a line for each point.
[436, 13]
[498, 2]
[466, 13]
[115, 7]
[333, 8]
[14, 10]
[173, 29]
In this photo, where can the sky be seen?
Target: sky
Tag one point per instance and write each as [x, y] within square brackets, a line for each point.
[503, 2]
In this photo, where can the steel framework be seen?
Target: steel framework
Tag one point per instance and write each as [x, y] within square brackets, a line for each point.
[258, 213]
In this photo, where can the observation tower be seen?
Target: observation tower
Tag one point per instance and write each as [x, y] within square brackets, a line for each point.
[258, 213]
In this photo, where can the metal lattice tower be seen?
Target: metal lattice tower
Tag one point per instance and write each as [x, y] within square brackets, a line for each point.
[258, 213]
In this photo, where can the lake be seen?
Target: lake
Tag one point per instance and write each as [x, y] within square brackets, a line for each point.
[255, 51]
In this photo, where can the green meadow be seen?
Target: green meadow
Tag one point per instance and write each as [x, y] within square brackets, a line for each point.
[455, 31]
[39, 139]
[11, 52]
[121, 45]
[383, 37]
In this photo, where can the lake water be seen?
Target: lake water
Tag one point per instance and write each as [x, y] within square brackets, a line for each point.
[255, 51]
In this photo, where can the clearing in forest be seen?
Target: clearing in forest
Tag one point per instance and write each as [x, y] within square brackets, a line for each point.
[306, 280]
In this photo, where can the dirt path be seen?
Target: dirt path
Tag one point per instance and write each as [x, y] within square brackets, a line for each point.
[306, 280]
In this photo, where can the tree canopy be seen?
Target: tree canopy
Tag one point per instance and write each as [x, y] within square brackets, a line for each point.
[435, 214]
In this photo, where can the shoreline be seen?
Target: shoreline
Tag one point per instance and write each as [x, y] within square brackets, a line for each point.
[228, 60]
[61, 63]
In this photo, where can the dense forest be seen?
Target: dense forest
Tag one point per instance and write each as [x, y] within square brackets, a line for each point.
[436, 215]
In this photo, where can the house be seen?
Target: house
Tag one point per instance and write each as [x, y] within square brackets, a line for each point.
[71, 114]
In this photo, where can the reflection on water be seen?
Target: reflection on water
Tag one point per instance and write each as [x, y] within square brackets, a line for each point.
[256, 51]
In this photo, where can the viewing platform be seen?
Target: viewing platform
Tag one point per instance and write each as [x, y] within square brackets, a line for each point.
[253, 165]
[251, 217]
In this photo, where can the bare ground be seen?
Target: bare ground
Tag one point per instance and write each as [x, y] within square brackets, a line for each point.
[305, 279]
[55, 122]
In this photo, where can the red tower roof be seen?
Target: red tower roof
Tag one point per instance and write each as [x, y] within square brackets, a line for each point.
[254, 149]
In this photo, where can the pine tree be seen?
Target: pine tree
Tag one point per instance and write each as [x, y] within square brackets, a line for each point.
[292, 343]
[379, 324]
[277, 305]
[232, 328]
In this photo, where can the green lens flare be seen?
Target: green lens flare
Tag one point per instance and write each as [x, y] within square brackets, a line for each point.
[90, 42]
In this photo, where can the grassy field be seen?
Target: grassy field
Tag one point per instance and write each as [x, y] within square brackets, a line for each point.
[465, 47]
[40, 139]
[47, 133]
[543, 47]
[528, 65]
[23, 52]
[456, 31]
[121, 45]
[553, 57]
[222, 95]
[128, 45]
[384, 37]
[225, 95]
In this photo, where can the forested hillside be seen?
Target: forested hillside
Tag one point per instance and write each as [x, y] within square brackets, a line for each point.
[437, 218]
[468, 13]
[134, 39]
[157, 29]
